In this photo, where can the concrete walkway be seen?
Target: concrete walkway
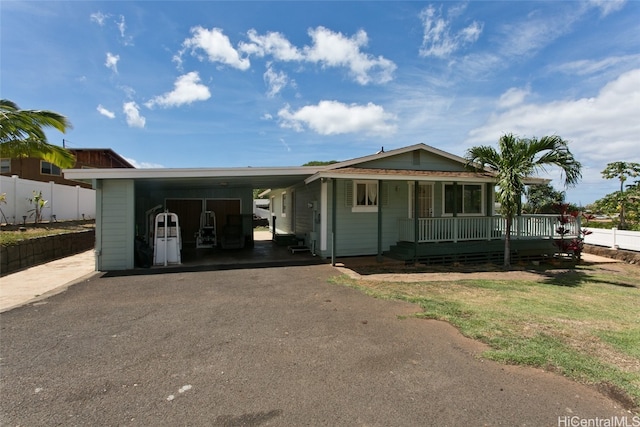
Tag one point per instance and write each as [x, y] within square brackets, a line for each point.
[44, 280]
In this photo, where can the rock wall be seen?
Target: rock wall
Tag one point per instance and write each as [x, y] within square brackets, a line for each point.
[30, 252]
[619, 254]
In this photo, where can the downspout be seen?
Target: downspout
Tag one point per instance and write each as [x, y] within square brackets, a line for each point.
[379, 257]
[416, 221]
[334, 198]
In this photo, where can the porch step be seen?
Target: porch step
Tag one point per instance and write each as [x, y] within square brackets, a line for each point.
[471, 251]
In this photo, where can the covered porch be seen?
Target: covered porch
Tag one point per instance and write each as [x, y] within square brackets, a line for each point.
[459, 229]
[478, 239]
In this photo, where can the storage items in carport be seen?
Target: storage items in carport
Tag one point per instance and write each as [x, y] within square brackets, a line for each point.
[166, 249]
[207, 237]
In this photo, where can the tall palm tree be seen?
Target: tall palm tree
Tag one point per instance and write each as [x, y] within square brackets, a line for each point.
[514, 161]
[22, 134]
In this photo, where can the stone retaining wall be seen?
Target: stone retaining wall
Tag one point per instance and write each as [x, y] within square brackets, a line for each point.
[30, 252]
[619, 254]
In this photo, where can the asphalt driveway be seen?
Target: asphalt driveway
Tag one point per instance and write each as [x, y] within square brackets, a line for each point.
[267, 346]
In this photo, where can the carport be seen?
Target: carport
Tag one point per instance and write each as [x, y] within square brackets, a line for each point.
[128, 199]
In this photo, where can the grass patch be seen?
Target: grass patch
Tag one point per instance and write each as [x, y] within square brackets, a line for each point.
[583, 323]
[11, 235]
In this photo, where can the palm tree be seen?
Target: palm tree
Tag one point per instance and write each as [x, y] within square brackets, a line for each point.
[517, 159]
[22, 134]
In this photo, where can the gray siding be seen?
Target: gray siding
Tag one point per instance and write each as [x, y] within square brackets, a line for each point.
[357, 232]
[115, 225]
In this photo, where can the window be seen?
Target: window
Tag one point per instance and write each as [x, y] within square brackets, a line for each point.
[47, 168]
[284, 205]
[466, 199]
[5, 166]
[366, 196]
[425, 200]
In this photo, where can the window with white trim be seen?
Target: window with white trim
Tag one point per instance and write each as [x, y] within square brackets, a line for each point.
[47, 168]
[466, 199]
[365, 196]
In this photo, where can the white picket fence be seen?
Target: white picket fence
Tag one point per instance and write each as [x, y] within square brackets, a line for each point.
[614, 238]
[64, 202]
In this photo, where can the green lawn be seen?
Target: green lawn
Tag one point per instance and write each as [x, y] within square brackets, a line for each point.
[583, 323]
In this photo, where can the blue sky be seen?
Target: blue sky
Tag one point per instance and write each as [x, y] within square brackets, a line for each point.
[222, 84]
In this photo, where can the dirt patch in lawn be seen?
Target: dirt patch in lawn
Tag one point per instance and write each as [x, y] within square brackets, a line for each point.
[396, 271]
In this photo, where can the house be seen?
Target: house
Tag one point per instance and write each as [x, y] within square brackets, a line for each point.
[413, 203]
[40, 170]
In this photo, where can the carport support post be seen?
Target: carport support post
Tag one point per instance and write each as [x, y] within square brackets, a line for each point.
[379, 257]
[416, 220]
[334, 198]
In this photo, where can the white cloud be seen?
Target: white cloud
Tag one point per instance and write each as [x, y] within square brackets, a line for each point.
[512, 97]
[98, 18]
[121, 26]
[276, 81]
[439, 40]
[335, 50]
[608, 6]
[333, 118]
[601, 129]
[143, 165]
[105, 112]
[286, 146]
[586, 67]
[132, 113]
[112, 62]
[216, 45]
[272, 43]
[187, 89]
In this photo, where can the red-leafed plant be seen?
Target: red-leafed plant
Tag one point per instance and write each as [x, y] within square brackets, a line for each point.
[575, 245]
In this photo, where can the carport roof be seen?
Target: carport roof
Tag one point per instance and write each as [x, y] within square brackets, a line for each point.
[255, 177]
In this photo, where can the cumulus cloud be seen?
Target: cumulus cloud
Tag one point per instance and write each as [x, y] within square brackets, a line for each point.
[132, 113]
[276, 81]
[105, 112]
[217, 47]
[598, 127]
[328, 49]
[334, 118]
[112, 62]
[439, 39]
[186, 89]
[273, 43]
[331, 49]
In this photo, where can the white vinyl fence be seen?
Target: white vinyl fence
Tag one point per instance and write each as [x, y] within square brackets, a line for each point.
[64, 202]
[614, 238]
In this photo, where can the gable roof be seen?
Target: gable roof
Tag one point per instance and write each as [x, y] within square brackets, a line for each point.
[384, 154]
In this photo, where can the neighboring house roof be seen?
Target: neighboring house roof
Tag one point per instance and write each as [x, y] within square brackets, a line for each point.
[108, 152]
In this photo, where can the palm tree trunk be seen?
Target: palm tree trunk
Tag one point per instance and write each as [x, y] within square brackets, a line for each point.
[507, 244]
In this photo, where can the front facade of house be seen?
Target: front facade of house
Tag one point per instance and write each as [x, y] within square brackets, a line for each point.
[409, 202]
